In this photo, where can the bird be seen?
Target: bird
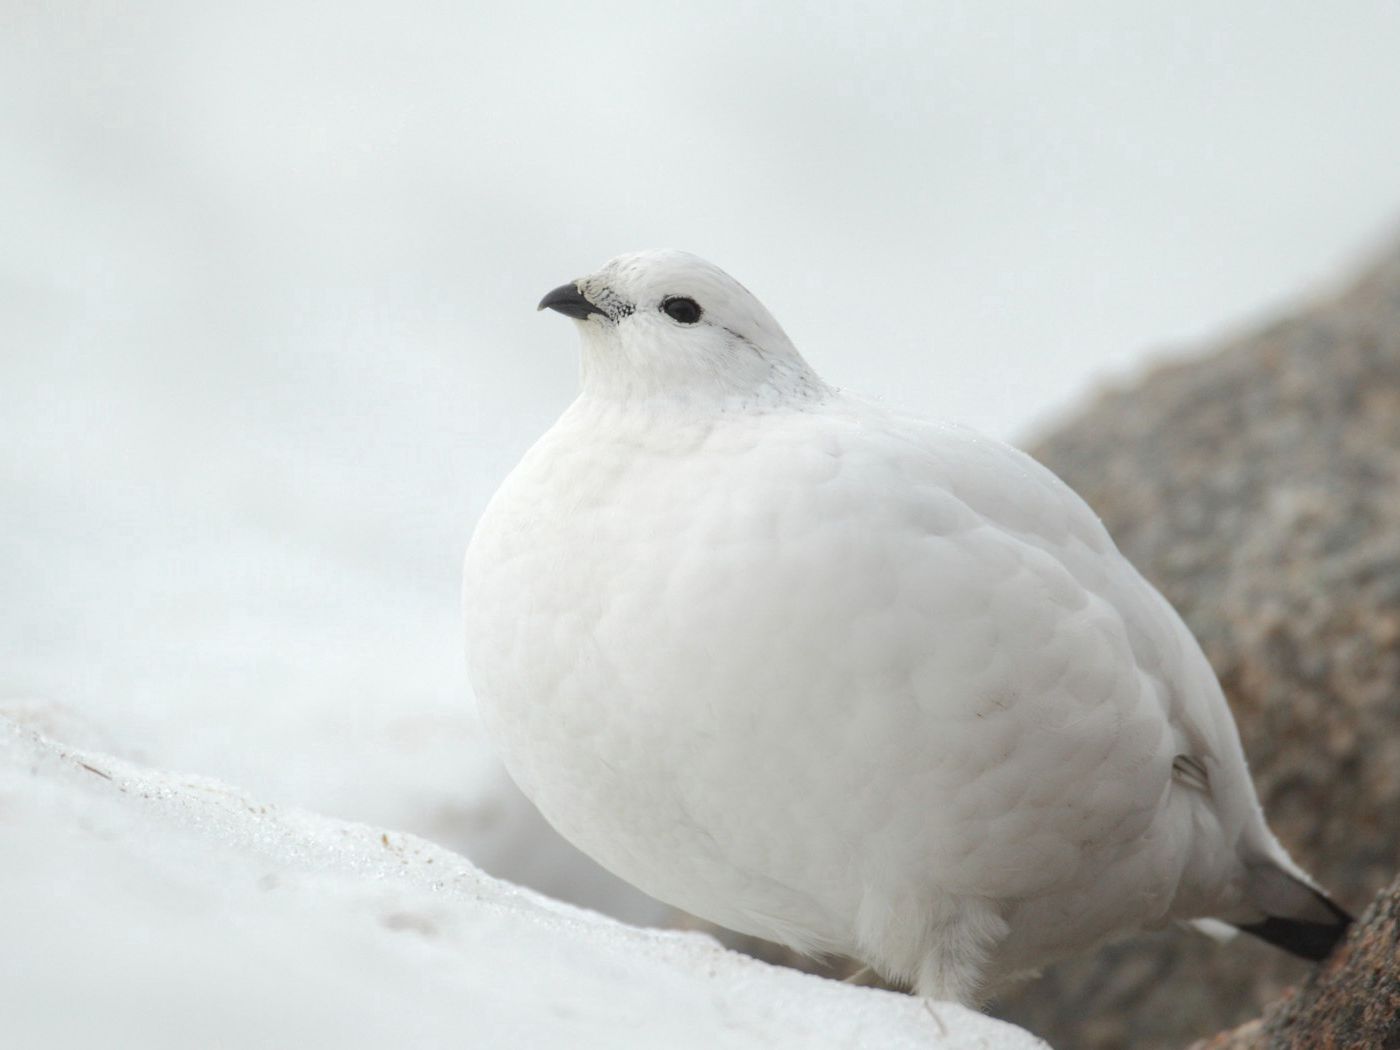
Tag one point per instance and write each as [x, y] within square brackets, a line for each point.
[859, 683]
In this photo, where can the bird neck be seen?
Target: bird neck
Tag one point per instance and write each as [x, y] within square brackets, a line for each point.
[733, 379]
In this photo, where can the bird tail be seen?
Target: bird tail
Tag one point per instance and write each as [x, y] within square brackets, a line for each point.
[1296, 917]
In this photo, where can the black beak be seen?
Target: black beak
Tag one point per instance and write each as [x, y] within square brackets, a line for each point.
[569, 301]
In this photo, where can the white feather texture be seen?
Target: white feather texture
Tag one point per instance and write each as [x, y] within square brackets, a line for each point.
[850, 681]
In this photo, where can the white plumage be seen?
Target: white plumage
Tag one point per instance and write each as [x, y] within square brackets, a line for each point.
[846, 680]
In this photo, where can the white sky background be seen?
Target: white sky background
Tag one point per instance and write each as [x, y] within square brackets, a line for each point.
[268, 275]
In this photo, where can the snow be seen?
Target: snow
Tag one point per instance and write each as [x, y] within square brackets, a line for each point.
[154, 909]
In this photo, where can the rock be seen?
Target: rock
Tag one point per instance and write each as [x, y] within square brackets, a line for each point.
[1259, 488]
[1352, 1000]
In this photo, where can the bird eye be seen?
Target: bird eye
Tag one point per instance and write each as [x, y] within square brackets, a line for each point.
[679, 308]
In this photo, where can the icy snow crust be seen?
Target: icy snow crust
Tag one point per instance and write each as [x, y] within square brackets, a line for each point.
[153, 909]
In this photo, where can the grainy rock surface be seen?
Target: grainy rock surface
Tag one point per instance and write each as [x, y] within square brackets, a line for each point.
[1351, 1001]
[1259, 488]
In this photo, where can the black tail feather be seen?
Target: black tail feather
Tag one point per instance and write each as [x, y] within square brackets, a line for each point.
[1304, 937]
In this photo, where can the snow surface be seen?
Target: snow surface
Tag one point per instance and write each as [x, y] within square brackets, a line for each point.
[153, 909]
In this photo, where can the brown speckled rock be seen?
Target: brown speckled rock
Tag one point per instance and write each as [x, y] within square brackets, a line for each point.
[1351, 1001]
[1259, 488]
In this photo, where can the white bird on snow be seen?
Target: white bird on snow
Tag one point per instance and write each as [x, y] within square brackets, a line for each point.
[849, 681]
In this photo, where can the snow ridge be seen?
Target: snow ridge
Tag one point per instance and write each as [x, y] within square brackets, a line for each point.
[163, 910]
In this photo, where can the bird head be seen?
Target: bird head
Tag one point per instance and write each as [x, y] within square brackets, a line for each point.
[669, 325]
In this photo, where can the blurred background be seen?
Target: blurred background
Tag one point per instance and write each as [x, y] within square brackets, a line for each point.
[268, 275]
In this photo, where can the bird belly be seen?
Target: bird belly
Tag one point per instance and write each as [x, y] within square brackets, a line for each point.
[749, 708]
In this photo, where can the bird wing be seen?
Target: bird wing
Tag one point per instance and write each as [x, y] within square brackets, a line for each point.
[1113, 696]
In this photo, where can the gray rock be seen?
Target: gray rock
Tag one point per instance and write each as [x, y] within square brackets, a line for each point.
[1259, 488]
[1351, 1000]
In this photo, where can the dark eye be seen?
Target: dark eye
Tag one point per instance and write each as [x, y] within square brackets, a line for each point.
[679, 308]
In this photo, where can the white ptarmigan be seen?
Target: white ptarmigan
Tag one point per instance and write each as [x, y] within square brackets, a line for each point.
[846, 680]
